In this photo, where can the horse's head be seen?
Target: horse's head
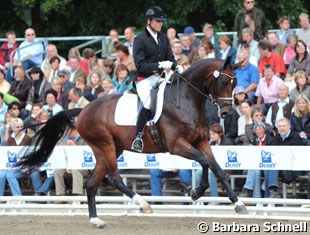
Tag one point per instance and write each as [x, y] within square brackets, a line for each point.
[220, 83]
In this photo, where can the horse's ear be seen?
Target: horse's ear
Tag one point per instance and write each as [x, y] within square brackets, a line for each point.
[238, 64]
[227, 62]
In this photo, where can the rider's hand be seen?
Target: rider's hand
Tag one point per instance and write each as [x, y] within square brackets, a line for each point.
[165, 64]
[179, 69]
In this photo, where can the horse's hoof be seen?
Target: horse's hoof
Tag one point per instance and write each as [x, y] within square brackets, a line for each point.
[97, 222]
[241, 209]
[146, 208]
[194, 195]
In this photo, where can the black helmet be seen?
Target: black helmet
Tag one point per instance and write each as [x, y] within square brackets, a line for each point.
[156, 13]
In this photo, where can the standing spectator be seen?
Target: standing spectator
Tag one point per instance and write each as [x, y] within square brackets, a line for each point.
[4, 84]
[247, 75]
[284, 29]
[51, 105]
[62, 96]
[51, 51]
[172, 35]
[276, 47]
[64, 75]
[289, 52]
[226, 49]
[251, 17]
[37, 92]
[21, 86]
[209, 33]
[281, 108]
[300, 118]
[270, 58]
[121, 79]
[285, 137]
[248, 39]
[189, 30]
[129, 36]
[302, 85]
[123, 57]
[77, 99]
[304, 32]
[6, 52]
[31, 52]
[267, 89]
[110, 52]
[71, 138]
[300, 62]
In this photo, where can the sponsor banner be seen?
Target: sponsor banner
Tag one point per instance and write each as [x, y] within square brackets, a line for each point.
[228, 157]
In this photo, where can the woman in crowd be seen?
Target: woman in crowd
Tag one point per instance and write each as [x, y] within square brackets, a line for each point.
[94, 87]
[172, 35]
[107, 86]
[51, 105]
[121, 78]
[226, 49]
[62, 96]
[244, 119]
[302, 85]
[52, 72]
[300, 118]
[124, 58]
[289, 52]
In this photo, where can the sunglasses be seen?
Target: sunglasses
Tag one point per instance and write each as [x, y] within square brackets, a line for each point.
[250, 2]
[15, 108]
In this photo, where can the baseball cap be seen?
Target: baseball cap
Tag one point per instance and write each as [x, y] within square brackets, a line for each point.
[259, 124]
[239, 90]
[63, 72]
[188, 30]
[207, 25]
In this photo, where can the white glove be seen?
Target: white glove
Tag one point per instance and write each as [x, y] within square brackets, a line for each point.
[28, 107]
[179, 69]
[165, 64]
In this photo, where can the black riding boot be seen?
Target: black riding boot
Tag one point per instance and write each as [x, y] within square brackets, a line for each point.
[137, 144]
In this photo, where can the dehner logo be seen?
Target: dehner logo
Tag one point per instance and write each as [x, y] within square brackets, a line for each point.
[12, 159]
[121, 163]
[266, 160]
[232, 161]
[151, 161]
[88, 159]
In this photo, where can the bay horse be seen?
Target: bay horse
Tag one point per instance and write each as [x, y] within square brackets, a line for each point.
[182, 125]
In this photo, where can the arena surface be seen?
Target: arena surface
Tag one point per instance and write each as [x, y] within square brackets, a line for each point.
[118, 225]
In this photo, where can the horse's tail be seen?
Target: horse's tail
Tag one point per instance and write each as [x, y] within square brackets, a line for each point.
[43, 142]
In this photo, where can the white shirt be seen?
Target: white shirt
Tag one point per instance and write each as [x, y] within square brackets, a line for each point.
[34, 49]
[280, 114]
[154, 35]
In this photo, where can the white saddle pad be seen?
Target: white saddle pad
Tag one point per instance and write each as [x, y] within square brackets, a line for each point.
[127, 108]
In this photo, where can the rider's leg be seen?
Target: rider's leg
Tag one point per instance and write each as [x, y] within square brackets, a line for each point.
[137, 144]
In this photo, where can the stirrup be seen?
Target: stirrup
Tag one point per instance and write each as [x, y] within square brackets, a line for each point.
[137, 144]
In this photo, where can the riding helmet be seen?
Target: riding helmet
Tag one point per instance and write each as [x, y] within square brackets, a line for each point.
[156, 13]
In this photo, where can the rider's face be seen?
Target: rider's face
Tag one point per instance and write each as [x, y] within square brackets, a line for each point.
[156, 25]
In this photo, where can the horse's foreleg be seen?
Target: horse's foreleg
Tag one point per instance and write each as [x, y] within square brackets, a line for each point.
[91, 189]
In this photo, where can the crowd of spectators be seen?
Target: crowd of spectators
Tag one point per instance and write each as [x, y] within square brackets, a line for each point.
[272, 81]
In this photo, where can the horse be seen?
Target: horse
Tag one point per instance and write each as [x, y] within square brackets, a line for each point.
[182, 127]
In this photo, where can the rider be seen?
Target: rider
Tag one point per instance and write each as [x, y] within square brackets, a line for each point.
[152, 54]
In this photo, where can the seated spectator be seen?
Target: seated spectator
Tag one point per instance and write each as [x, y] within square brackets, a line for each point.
[34, 117]
[244, 119]
[302, 86]
[226, 49]
[62, 96]
[239, 97]
[75, 69]
[107, 86]
[6, 52]
[77, 99]
[289, 52]
[108, 68]
[71, 138]
[252, 186]
[189, 30]
[158, 174]
[123, 57]
[51, 105]
[6, 128]
[21, 86]
[284, 29]
[188, 49]
[300, 62]
[201, 53]
[53, 71]
[110, 51]
[51, 51]
[285, 137]
[31, 51]
[247, 75]
[276, 47]
[4, 84]
[300, 118]
[209, 33]
[270, 58]
[94, 87]
[121, 78]
[257, 116]
[281, 108]
[15, 108]
[64, 75]
[248, 39]
[172, 35]
[207, 44]
[179, 57]
[129, 33]
[3, 110]
[267, 89]
[303, 33]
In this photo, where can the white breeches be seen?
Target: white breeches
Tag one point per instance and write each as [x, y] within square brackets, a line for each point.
[144, 89]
